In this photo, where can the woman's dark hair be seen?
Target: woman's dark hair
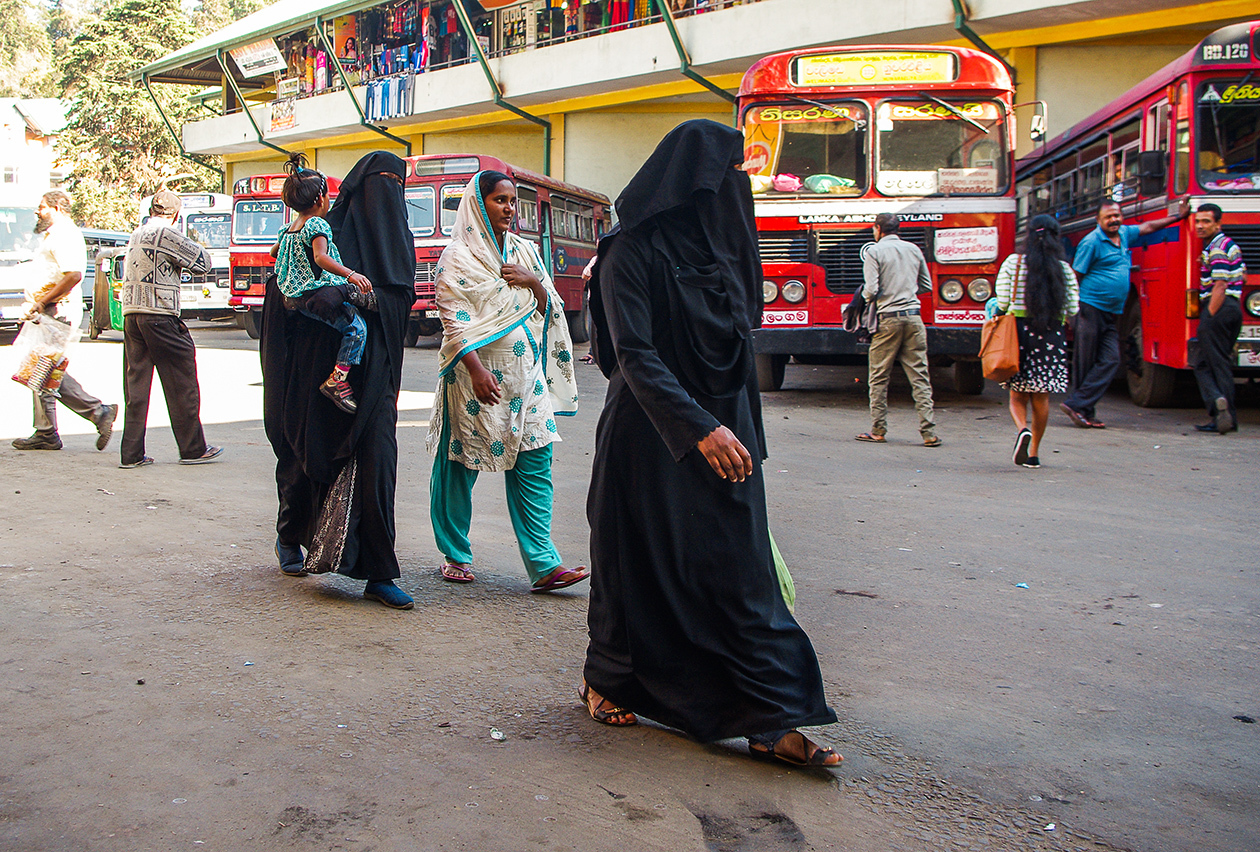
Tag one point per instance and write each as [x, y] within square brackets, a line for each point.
[1045, 285]
[489, 180]
[304, 186]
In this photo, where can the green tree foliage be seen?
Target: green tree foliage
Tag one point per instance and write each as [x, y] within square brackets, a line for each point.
[115, 142]
[25, 51]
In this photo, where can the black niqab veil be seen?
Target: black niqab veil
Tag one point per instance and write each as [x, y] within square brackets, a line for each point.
[691, 193]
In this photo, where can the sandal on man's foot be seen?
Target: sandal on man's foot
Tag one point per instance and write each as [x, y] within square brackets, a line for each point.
[797, 749]
[933, 441]
[561, 578]
[872, 438]
[453, 573]
[604, 711]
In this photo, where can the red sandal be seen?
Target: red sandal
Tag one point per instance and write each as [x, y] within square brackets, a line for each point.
[561, 578]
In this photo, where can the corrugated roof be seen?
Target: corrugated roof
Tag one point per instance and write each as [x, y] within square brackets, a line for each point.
[46, 116]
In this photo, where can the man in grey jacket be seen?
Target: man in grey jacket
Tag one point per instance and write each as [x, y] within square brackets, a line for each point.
[155, 337]
[895, 273]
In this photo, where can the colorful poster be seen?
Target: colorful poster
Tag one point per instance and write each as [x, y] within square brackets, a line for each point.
[345, 38]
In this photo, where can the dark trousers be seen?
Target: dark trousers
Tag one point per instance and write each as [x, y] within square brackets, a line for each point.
[161, 341]
[1095, 358]
[1214, 370]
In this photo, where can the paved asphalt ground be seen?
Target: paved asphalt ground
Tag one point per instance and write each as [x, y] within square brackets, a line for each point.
[1051, 659]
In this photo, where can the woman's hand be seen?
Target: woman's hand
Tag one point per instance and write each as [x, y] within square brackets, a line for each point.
[485, 385]
[519, 276]
[726, 455]
[359, 280]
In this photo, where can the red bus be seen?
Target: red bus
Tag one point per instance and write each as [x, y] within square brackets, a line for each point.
[258, 215]
[1191, 130]
[565, 221]
[834, 136]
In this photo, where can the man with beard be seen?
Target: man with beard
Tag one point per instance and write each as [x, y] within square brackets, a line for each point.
[61, 260]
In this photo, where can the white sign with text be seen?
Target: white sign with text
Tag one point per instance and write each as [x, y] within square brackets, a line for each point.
[966, 245]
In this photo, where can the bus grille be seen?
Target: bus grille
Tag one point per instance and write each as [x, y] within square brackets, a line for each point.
[426, 274]
[255, 275]
[1248, 239]
[784, 247]
[839, 253]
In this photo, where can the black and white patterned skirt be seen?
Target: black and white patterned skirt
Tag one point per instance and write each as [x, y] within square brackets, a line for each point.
[1043, 366]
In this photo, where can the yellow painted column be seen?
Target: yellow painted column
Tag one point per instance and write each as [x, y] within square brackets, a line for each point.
[1024, 60]
[557, 145]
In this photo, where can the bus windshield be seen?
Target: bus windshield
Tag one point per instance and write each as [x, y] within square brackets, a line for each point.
[212, 230]
[821, 146]
[1229, 136]
[17, 231]
[257, 221]
[935, 147]
[420, 209]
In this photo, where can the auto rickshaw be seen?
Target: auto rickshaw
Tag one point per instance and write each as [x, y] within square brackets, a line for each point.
[106, 313]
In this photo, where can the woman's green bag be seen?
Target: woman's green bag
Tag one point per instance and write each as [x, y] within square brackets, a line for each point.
[786, 586]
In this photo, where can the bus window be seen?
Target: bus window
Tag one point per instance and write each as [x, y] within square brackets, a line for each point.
[257, 221]
[931, 147]
[451, 195]
[1228, 136]
[212, 230]
[826, 149]
[420, 213]
[527, 209]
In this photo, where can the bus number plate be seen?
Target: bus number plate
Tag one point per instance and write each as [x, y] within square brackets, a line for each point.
[1249, 332]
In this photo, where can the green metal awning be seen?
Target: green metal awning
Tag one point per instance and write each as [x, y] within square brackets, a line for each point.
[197, 64]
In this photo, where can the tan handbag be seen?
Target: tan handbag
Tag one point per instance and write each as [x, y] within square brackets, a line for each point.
[999, 343]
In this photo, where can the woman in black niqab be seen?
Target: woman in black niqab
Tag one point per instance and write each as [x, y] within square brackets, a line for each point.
[687, 623]
[336, 472]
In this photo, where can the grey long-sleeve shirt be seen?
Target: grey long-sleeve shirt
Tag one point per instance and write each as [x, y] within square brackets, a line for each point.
[895, 272]
[155, 256]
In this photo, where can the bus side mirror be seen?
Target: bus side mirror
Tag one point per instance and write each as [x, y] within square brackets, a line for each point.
[1153, 172]
[1037, 127]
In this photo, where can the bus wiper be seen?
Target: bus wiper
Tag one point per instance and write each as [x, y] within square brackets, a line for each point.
[956, 111]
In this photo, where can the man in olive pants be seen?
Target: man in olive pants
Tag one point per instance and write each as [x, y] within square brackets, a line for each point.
[895, 272]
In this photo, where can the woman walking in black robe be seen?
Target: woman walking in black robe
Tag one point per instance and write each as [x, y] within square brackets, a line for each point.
[336, 472]
[687, 622]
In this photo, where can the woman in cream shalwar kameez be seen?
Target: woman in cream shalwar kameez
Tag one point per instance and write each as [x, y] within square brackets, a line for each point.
[505, 374]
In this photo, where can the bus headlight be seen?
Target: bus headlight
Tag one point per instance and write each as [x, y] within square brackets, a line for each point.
[980, 289]
[240, 285]
[951, 290]
[1253, 303]
[769, 292]
[794, 291]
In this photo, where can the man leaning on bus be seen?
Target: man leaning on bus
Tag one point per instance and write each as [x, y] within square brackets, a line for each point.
[1221, 276]
[1102, 264]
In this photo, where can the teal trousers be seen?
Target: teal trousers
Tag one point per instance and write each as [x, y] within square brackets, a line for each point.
[529, 500]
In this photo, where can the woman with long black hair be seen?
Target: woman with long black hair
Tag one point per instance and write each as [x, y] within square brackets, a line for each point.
[1040, 289]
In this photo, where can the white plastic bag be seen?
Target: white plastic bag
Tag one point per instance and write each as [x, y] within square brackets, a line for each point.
[41, 347]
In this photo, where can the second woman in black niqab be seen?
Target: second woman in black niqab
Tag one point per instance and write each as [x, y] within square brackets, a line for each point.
[336, 472]
[687, 623]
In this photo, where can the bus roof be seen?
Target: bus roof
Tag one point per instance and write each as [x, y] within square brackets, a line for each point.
[1213, 53]
[974, 69]
[487, 162]
[272, 185]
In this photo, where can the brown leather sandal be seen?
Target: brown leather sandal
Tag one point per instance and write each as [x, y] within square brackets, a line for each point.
[604, 711]
[810, 753]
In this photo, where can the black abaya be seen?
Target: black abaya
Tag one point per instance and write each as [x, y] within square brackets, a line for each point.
[312, 438]
[687, 622]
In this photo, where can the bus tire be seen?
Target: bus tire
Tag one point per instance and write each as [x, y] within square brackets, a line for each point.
[253, 323]
[412, 335]
[579, 322]
[1150, 385]
[770, 370]
[240, 317]
[969, 377]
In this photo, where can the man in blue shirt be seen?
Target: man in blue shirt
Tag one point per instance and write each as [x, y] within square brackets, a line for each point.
[1102, 264]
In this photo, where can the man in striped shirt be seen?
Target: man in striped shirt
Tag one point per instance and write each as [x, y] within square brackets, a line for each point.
[1221, 276]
